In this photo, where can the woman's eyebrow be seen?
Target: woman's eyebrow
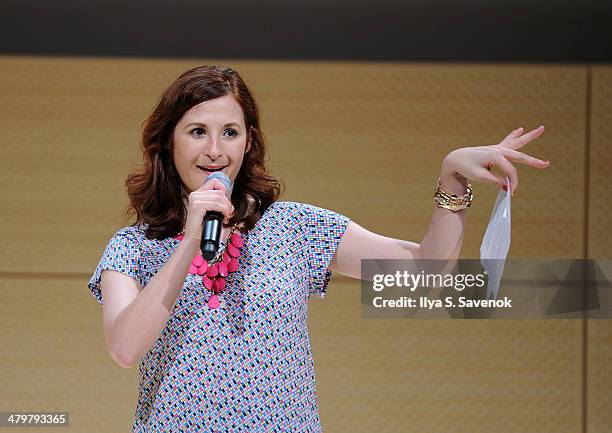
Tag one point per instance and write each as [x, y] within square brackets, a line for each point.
[204, 124]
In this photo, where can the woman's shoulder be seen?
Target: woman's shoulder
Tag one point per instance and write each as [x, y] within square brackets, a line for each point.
[135, 229]
[302, 214]
[290, 209]
[283, 204]
[134, 232]
[296, 208]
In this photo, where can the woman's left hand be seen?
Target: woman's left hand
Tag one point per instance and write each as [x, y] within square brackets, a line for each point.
[475, 163]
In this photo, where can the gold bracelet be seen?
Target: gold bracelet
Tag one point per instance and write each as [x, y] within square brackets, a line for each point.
[452, 202]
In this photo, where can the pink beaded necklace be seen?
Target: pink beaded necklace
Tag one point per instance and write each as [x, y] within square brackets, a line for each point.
[214, 273]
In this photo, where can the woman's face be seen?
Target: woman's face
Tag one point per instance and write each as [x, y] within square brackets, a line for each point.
[210, 134]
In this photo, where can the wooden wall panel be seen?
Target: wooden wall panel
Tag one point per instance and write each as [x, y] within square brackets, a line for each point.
[599, 343]
[54, 357]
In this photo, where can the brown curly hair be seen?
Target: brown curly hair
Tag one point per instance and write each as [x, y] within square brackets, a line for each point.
[156, 192]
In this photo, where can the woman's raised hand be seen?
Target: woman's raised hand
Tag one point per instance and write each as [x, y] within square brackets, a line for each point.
[475, 163]
[211, 196]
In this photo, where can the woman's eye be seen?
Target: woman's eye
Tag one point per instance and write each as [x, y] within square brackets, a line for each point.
[197, 129]
[233, 131]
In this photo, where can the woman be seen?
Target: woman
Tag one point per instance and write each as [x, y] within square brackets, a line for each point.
[224, 346]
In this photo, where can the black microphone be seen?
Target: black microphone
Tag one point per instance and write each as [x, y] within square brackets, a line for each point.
[213, 221]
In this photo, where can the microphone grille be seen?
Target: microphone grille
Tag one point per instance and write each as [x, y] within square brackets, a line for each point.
[221, 177]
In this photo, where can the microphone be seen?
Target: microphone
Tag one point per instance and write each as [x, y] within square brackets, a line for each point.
[213, 221]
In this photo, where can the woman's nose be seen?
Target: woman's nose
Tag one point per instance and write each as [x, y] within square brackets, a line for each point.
[213, 148]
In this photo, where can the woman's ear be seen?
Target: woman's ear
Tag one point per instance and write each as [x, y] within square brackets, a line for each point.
[249, 139]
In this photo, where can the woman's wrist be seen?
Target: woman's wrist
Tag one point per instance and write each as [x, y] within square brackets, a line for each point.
[193, 235]
[453, 191]
[453, 183]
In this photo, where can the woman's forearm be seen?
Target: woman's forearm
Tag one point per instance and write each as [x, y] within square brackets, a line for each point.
[141, 323]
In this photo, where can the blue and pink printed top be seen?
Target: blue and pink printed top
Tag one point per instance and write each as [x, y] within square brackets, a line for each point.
[246, 366]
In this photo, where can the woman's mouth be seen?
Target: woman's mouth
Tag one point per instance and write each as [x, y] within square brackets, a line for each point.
[210, 169]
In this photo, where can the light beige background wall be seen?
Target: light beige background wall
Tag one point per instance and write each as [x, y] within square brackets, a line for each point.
[365, 140]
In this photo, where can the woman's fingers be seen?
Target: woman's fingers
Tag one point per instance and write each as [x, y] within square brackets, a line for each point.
[511, 142]
[223, 208]
[526, 138]
[523, 158]
[514, 134]
[496, 158]
[213, 185]
[486, 176]
[505, 166]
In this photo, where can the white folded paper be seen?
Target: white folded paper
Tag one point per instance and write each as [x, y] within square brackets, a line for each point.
[496, 241]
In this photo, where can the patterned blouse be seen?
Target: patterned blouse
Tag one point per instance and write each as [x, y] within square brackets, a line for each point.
[247, 365]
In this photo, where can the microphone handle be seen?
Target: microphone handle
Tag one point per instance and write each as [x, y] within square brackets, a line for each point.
[211, 233]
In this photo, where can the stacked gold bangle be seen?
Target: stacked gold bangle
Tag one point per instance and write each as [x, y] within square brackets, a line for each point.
[452, 202]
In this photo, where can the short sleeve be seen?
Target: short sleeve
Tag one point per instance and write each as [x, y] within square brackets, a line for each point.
[122, 254]
[324, 231]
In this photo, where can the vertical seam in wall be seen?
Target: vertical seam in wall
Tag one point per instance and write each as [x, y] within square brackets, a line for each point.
[585, 250]
[587, 163]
